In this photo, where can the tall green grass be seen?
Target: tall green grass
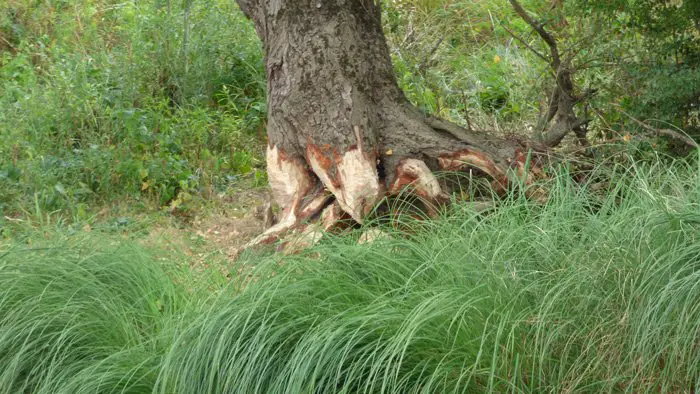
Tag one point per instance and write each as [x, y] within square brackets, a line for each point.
[83, 317]
[594, 291]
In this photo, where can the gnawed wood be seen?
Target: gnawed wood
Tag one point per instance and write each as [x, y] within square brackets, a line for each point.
[415, 174]
[289, 180]
[352, 178]
[475, 158]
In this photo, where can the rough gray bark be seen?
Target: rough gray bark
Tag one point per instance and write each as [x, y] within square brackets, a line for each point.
[341, 133]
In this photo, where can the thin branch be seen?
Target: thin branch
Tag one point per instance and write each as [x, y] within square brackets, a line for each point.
[588, 93]
[409, 31]
[583, 42]
[667, 132]
[528, 46]
[9, 44]
[539, 28]
[429, 56]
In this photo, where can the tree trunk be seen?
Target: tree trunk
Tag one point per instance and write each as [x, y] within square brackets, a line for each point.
[561, 118]
[341, 133]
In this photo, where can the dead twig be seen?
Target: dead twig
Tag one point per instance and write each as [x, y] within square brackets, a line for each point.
[544, 34]
[429, 56]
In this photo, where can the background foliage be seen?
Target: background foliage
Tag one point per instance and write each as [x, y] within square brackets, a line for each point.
[459, 59]
[162, 103]
[103, 100]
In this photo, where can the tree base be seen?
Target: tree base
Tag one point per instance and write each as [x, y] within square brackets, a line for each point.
[342, 135]
[327, 189]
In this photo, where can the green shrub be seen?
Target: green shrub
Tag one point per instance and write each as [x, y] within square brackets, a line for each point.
[454, 59]
[659, 57]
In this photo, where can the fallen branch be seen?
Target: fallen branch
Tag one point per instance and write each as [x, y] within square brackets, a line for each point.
[667, 132]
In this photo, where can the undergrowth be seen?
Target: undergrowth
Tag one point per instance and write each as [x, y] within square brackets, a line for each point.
[161, 103]
[158, 103]
[598, 290]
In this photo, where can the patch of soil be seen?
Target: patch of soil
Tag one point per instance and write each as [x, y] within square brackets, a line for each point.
[213, 238]
[241, 216]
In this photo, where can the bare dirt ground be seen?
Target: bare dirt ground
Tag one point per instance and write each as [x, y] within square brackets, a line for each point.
[213, 239]
[240, 219]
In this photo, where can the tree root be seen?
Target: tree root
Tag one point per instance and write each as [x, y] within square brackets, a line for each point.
[333, 191]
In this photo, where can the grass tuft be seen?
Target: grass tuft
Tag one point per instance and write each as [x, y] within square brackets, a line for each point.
[595, 291]
[83, 317]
